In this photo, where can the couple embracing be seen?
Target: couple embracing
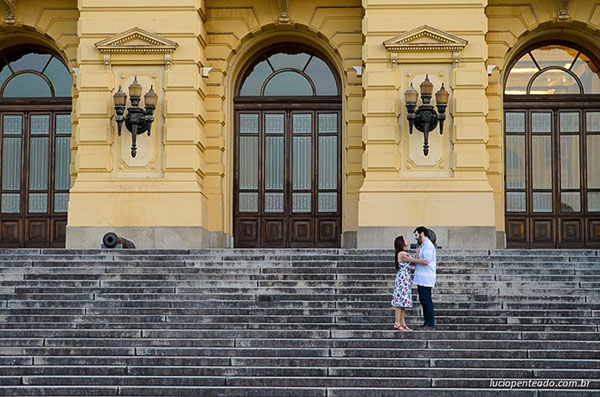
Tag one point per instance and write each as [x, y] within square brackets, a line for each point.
[424, 262]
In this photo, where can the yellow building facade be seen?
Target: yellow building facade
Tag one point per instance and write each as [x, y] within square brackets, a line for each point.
[283, 123]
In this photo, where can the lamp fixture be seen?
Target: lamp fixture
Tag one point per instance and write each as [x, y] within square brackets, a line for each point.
[138, 120]
[424, 117]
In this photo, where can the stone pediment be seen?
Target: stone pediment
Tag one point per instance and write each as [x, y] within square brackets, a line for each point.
[136, 40]
[425, 39]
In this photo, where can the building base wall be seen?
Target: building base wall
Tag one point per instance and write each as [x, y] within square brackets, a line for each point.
[448, 237]
[150, 237]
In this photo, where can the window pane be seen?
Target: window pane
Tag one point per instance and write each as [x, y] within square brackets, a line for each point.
[253, 83]
[519, 76]
[63, 124]
[60, 78]
[569, 162]
[274, 162]
[541, 122]
[288, 84]
[592, 121]
[249, 123]
[515, 162]
[38, 164]
[515, 122]
[555, 82]
[27, 85]
[302, 123]
[274, 123]
[293, 61]
[328, 123]
[38, 203]
[61, 201]
[11, 203]
[4, 74]
[570, 202]
[273, 202]
[569, 121]
[327, 202]
[302, 167]
[554, 55]
[515, 202]
[301, 202]
[322, 77]
[62, 161]
[27, 61]
[587, 72]
[593, 161]
[542, 202]
[12, 124]
[594, 201]
[40, 124]
[248, 162]
[542, 162]
[248, 202]
[328, 162]
[11, 164]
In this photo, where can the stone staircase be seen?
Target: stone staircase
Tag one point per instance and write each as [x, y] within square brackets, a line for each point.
[295, 323]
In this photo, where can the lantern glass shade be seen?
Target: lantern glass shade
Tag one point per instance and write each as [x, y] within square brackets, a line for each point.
[150, 98]
[135, 89]
[441, 97]
[411, 95]
[120, 98]
[426, 86]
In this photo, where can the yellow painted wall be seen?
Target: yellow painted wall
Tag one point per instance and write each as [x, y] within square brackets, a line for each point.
[514, 25]
[164, 184]
[183, 176]
[403, 187]
[236, 31]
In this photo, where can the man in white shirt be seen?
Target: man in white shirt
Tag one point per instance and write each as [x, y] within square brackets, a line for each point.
[425, 275]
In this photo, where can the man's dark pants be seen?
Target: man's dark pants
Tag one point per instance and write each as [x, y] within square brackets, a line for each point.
[427, 305]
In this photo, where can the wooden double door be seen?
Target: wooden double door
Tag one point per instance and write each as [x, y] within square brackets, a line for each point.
[552, 174]
[35, 156]
[288, 177]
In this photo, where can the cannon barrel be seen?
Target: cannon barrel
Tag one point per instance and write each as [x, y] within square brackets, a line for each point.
[111, 240]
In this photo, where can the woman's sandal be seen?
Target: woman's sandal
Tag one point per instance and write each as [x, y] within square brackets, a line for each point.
[405, 328]
[398, 327]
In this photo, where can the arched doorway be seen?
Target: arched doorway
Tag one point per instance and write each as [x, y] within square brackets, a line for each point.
[287, 185]
[35, 123]
[552, 148]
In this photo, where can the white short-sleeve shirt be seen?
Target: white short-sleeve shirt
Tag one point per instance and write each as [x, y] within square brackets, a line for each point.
[425, 274]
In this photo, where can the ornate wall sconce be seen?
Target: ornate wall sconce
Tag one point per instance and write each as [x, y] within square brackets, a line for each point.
[424, 118]
[138, 120]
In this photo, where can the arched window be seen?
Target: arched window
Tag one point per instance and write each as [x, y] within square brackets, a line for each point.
[552, 149]
[289, 73]
[553, 69]
[287, 184]
[35, 148]
[27, 74]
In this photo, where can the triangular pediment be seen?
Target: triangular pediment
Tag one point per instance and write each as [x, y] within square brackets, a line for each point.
[136, 40]
[425, 38]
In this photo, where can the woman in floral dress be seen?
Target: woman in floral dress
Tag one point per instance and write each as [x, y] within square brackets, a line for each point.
[402, 297]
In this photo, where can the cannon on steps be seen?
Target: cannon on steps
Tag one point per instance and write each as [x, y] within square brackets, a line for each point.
[111, 240]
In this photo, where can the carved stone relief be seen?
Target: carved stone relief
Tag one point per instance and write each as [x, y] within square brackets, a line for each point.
[9, 6]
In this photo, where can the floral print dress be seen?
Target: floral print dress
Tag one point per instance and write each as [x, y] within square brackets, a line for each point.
[402, 288]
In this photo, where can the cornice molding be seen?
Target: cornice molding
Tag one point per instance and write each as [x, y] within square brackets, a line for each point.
[136, 40]
[425, 39]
